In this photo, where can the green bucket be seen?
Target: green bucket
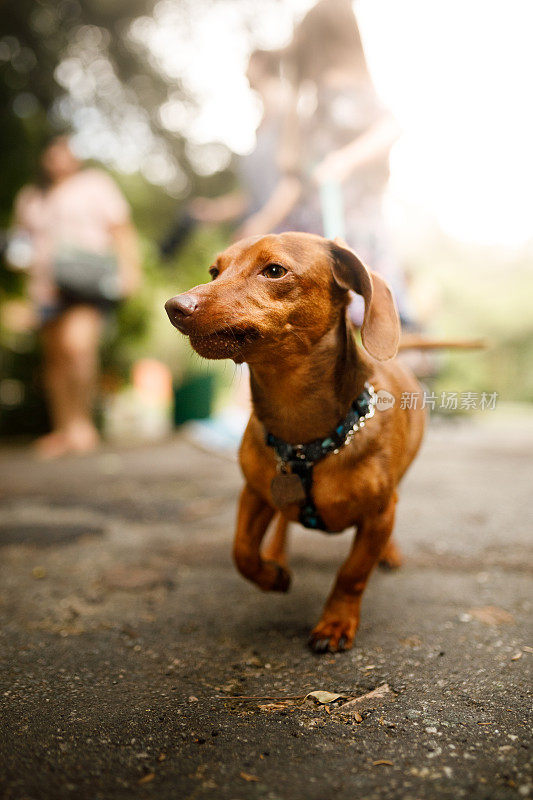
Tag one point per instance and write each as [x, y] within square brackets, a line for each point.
[193, 399]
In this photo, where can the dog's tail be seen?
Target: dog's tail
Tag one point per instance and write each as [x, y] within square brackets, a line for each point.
[412, 341]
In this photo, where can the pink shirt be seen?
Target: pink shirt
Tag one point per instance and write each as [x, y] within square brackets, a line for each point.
[80, 212]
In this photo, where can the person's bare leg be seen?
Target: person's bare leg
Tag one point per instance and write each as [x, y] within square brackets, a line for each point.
[81, 336]
[56, 385]
[71, 372]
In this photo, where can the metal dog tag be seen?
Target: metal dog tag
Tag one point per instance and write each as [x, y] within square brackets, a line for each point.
[287, 489]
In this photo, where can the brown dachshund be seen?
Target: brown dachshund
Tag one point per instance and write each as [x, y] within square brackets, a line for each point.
[314, 451]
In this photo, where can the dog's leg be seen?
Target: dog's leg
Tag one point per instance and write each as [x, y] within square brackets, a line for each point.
[252, 522]
[276, 548]
[340, 618]
[391, 556]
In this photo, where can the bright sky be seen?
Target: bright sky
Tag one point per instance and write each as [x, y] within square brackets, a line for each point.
[456, 73]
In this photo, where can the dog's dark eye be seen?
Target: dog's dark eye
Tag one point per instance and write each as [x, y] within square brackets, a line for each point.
[274, 271]
[214, 272]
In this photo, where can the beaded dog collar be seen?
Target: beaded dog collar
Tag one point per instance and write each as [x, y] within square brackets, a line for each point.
[294, 481]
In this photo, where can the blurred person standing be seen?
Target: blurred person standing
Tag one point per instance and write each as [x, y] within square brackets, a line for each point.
[337, 142]
[265, 191]
[84, 258]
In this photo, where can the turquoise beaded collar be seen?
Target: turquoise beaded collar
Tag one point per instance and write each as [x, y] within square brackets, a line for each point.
[299, 459]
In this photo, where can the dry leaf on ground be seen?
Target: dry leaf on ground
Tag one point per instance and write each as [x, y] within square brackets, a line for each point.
[273, 706]
[322, 697]
[128, 578]
[247, 777]
[491, 615]
[355, 714]
[371, 699]
[346, 703]
[411, 641]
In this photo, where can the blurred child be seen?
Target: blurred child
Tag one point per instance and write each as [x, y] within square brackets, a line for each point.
[84, 260]
[264, 191]
[337, 142]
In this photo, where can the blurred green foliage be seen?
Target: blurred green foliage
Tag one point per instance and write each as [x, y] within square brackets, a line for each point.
[34, 39]
[481, 292]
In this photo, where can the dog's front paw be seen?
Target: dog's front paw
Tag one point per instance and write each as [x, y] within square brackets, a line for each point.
[279, 578]
[333, 634]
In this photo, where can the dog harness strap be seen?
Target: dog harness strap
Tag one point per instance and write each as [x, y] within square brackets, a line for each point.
[309, 516]
[300, 459]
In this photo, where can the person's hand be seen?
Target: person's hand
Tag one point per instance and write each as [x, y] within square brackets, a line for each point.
[128, 257]
[130, 281]
[376, 142]
[216, 210]
[274, 211]
[201, 208]
[335, 168]
[256, 225]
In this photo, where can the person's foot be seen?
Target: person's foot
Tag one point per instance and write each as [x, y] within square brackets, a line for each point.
[52, 445]
[82, 437]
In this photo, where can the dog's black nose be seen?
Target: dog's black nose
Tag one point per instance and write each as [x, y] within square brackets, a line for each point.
[183, 305]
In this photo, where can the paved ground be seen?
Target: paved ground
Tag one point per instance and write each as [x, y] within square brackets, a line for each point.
[127, 632]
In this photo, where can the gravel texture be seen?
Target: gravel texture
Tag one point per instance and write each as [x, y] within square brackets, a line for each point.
[127, 634]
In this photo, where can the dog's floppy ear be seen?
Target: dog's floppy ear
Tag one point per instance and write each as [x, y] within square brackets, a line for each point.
[380, 331]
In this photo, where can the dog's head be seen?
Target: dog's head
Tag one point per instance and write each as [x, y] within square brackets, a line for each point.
[276, 294]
